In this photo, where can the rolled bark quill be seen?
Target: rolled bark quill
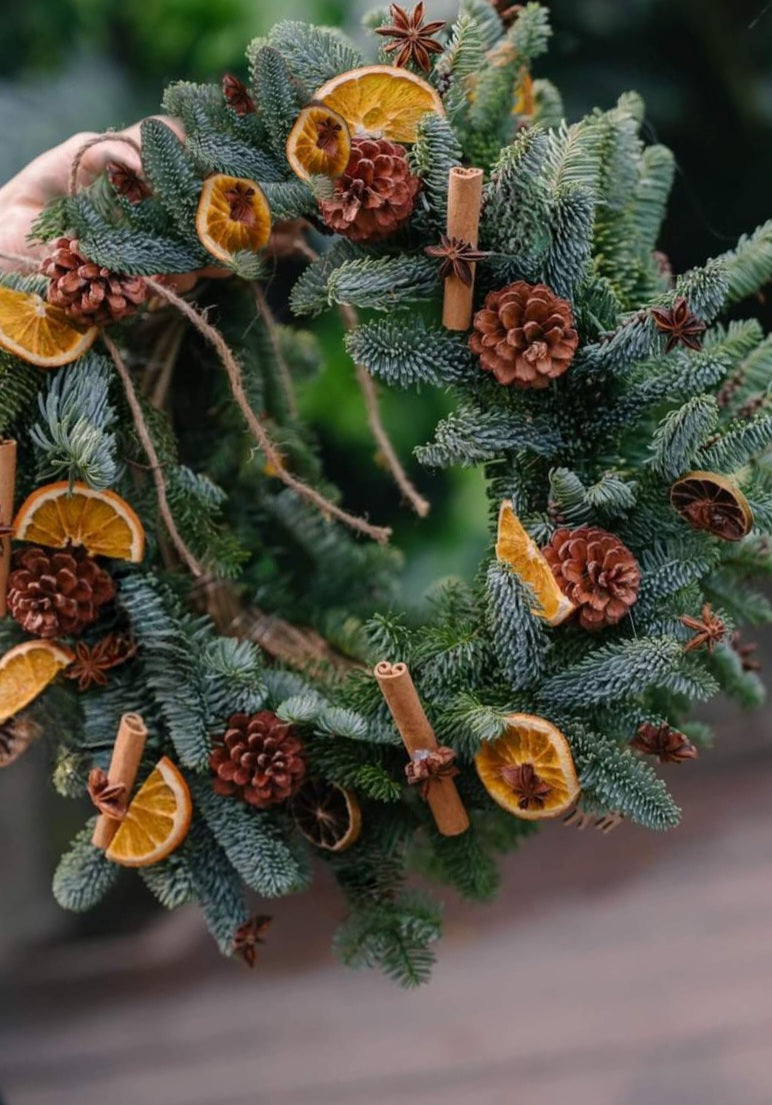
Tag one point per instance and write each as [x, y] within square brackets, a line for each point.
[7, 489]
[417, 734]
[124, 765]
[464, 203]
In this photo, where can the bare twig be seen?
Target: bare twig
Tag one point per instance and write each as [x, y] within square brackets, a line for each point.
[270, 324]
[260, 434]
[108, 136]
[155, 465]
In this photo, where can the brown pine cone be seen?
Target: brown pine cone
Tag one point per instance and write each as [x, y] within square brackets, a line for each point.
[54, 593]
[87, 292]
[376, 193]
[524, 335]
[260, 759]
[596, 572]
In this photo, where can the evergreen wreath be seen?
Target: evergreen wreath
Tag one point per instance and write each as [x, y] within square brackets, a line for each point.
[180, 572]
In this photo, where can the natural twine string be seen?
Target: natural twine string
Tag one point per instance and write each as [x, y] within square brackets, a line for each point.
[108, 136]
[380, 534]
[155, 465]
[19, 259]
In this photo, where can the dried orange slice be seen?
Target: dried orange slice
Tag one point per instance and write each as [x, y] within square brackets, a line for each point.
[38, 332]
[529, 770]
[327, 814]
[515, 548]
[233, 215]
[319, 143]
[101, 521]
[157, 820]
[381, 100]
[26, 670]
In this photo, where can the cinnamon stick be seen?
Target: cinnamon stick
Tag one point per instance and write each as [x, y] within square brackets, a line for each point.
[7, 488]
[124, 765]
[417, 734]
[464, 203]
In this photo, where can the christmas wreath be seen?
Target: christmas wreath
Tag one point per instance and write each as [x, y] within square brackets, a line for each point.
[209, 634]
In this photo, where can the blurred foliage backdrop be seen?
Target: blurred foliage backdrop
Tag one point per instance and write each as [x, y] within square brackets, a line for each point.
[701, 65]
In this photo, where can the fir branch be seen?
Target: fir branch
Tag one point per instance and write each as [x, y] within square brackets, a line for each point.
[613, 672]
[84, 874]
[519, 640]
[679, 435]
[404, 350]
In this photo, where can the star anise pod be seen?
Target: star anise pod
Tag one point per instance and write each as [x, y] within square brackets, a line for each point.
[239, 199]
[413, 39]
[667, 744]
[92, 662]
[680, 324]
[328, 135]
[746, 652]
[430, 763]
[531, 789]
[709, 630]
[127, 182]
[457, 256]
[248, 936]
[507, 11]
[235, 92]
[109, 798]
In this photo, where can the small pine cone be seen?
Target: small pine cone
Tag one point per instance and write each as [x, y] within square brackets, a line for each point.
[596, 572]
[260, 759]
[56, 593]
[87, 292]
[376, 193]
[524, 335]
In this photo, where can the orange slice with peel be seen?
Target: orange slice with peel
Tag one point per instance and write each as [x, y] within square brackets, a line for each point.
[381, 100]
[38, 332]
[319, 143]
[529, 771]
[515, 548]
[25, 672]
[233, 215]
[101, 521]
[157, 820]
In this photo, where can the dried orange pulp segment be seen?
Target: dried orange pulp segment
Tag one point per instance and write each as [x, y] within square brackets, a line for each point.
[38, 332]
[536, 742]
[233, 215]
[319, 143]
[26, 670]
[381, 100]
[157, 820]
[515, 548]
[101, 521]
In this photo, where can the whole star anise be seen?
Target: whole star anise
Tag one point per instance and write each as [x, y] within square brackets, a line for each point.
[680, 324]
[412, 37]
[457, 256]
[109, 798]
[235, 92]
[667, 744]
[531, 789]
[746, 652]
[248, 936]
[709, 630]
[92, 662]
[427, 764]
[239, 199]
[127, 182]
[328, 133]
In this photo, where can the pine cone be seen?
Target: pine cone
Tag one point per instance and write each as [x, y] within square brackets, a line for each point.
[376, 193]
[87, 292]
[56, 593]
[260, 760]
[524, 335]
[596, 571]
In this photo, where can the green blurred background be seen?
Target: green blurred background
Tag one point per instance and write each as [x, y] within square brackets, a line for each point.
[70, 65]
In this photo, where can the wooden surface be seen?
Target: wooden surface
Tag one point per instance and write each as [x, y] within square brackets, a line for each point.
[632, 969]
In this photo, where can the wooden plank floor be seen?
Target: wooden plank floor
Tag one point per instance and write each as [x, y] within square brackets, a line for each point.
[622, 970]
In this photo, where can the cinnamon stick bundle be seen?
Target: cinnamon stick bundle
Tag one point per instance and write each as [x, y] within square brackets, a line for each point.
[7, 489]
[464, 203]
[124, 765]
[417, 734]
